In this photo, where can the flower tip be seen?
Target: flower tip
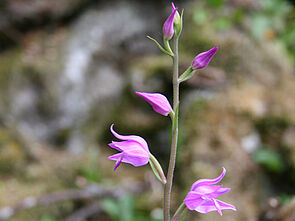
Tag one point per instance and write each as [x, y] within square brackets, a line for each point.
[223, 170]
[215, 49]
[173, 6]
[164, 180]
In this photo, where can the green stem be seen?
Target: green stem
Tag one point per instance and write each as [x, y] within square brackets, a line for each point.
[178, 212]
[168, 186]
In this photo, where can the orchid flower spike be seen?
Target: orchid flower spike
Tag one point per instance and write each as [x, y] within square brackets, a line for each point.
[134, 150]
[168, 27]
[203, 59]
[158, 101]
[202, 196]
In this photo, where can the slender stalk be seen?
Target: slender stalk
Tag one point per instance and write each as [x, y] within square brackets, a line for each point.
[178, 212]
[168, 186]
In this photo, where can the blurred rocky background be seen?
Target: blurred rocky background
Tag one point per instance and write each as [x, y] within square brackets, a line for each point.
[69, 68]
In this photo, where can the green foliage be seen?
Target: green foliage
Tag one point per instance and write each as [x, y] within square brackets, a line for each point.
[90, 170]
[124, 209]
[121, 209]
[47, 218]
[285, 198]
[215, 3]
[271, 160]
[273, 20]
[200, 16]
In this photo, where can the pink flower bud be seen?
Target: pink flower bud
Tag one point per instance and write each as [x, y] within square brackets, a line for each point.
[168, 27]
[203, 59]
[158, 101]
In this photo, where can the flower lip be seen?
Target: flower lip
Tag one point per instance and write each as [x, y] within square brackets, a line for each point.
[202, 60]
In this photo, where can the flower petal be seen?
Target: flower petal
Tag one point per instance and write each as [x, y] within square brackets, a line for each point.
[203, 59]
[136, 158]
[193, 200]
[112, 145]
[116, 157]
[168, 29]
[226, 206]
[158, 101]
[210, 206]
[217, 206]
[207, 189]
[209, 181]
[219, 192]
[135, 138]
[126, 145]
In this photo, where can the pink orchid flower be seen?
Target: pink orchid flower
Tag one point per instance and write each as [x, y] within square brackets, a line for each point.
[134, 150]
[202, 196]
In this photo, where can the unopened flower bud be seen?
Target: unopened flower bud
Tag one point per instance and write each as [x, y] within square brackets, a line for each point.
[203, 59]
[158, 101]
[168, 27]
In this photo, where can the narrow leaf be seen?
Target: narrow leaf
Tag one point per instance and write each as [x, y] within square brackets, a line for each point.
[160, 47]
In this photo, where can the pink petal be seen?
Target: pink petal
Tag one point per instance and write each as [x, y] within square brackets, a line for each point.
[126, 145]
[173, 6]
[217, 206]
[209, 181]
[207, 189]
[193, 200]
[226, 206]
[158, 101]
[112, 145]
[135, 138]
[219, 192]
[203, 59]
[116, 157]
[136, 158]
[168, 29]
[210, 206]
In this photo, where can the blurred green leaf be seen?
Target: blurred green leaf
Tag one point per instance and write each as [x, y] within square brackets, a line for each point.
[47, 218]
[91, 170]
[127, 208]
[215, 3]
[121, 209]
[269, 159]
[238, 15]
[200, 17]
[259, 25]
[112, 208]
[285, 198]
[223, 23]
